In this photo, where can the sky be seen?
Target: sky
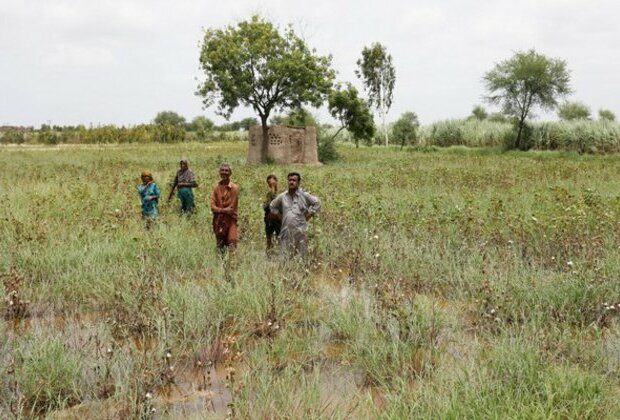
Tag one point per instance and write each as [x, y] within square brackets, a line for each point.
[121, 62]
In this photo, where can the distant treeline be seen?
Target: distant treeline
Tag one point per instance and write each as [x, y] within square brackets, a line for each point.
[145, 133]
[583, 136]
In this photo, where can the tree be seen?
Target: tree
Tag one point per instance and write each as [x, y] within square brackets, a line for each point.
[607, 115]
[527, 80]
[378, 75]
[405, 128]
[170, 118]
[248, 122]
[573, 111]
[478, 113]
[253, 64]
[201, 124]
[352, 112]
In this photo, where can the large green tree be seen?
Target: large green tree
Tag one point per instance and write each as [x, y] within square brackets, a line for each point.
[352, 112]
[574, 111]
[378, 74]
[254, 64]
[524, 81]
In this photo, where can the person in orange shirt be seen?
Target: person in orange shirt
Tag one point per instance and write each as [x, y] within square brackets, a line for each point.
[224, 202]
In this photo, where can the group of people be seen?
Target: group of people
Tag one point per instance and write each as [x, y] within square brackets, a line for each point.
[286, 214]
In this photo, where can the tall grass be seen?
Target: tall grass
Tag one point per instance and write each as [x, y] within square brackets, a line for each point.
[581, 136]
[441, 283]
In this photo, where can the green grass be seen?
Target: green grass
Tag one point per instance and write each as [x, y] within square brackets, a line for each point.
[443, 283]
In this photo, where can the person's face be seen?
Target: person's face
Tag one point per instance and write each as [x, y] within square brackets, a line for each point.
[183, 166]
[225, 172]
[273, 183]
[145, 179]
[293, 182]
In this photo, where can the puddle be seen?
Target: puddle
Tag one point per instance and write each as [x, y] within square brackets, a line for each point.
[38, 321]
[195, 392]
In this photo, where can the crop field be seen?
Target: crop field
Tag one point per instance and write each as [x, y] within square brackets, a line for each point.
[452, 283]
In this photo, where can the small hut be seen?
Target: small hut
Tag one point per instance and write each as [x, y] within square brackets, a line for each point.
[286, 145]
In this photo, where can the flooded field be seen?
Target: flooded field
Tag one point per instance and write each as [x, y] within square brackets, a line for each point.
[450, 284]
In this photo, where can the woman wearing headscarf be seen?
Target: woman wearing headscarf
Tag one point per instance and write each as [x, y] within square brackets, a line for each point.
[149, 196]
[184, 181]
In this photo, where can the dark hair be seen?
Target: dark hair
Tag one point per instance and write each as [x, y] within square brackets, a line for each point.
[290, 174]
[271, 176]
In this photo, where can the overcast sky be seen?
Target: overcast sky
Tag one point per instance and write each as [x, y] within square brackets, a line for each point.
[122, 61]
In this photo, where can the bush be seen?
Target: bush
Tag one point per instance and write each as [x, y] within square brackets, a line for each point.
[12, 137]
[327, 147]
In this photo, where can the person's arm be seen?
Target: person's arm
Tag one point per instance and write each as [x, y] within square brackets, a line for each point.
[275, 208]
[174, 186]
[155, 193]
[314, 205]
[214, 207]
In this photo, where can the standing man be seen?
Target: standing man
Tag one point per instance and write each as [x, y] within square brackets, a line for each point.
[294, 208]
[184, 181]
[224, 202]
[272, 225]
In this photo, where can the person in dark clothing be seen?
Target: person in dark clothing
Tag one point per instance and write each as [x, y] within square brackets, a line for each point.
[272, 225]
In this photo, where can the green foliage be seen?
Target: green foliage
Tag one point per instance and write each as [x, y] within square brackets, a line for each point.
[573, 111]
[253, 64]
[353, 113]
[405, 129]
[300, 117]
[201, 124]
[479, 113]
[606, 114]
[246, 123]
[524, 81]
[168, 133]
[169, 118]
[50, 375]
[377, 72]
[12, 137]
[326, 147]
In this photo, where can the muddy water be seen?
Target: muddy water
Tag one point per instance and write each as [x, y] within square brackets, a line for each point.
[196, 393]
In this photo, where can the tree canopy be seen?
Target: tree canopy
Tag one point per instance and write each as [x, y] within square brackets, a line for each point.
[479, 113]
[574, 111]
[352, 112]
[607, 115]
[405, 129]
[169, 118]
[378, 74]
[524, 81]
[254, 64]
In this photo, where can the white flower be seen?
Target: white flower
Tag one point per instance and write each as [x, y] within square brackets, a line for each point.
[376, 237]
[570, 264]
[149, 395]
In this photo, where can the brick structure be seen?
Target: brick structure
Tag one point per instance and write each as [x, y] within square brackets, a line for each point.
[286, 145]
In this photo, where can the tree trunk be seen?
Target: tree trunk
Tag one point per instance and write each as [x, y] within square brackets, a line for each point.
[383, 123]
[265, 143]
[518, 143]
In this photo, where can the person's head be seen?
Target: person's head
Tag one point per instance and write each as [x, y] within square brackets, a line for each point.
[146, 176]
[184, 164]
[225, 171]
[272, 181]
[294, 179]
